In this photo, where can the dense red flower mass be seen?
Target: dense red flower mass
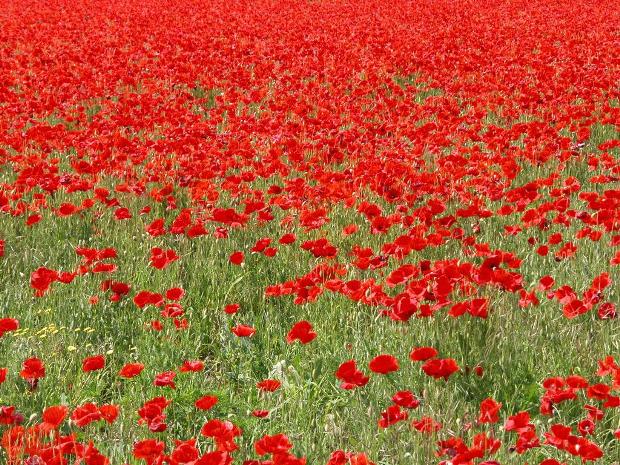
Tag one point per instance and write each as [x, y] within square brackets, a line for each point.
[254, 199]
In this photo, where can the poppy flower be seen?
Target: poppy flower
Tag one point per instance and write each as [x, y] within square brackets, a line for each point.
[349, 229]
[131, 370]
[301, 331]
[109, 412]
[393, 414]
[156, 228]
[243, 331]
[406, 399]
[236, 258]
[152, 413]
[86, 414]
[149, 450]
[420, 354]
[224, 433]
[144, 298]
[287, 239]
[7, 325]
[489, 411]
[53, 416]
[175, 293]
[231, 309]
[122, 213]
[41, 280]
[206, 402]
[520, 422]
[350, 376]
[9, 416]
[94, 363]
[192, 365]
[33, 369]
[337, 457]
[276, 444]
[184, 452]
[586, 427]
[426, 425]
[268, 385]
[33, 219]
[384, 364]
[161, 258]
[165, 379]
[440, 368]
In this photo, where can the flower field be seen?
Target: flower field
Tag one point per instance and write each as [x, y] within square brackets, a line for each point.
[294, 232]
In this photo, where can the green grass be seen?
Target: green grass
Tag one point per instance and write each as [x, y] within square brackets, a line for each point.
[518, 348]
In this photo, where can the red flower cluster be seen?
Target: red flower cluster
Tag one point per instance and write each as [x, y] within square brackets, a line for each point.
[422, 162]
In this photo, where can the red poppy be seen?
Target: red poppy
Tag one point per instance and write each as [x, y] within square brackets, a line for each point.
[165, 379]
[86, 414]
[94, 363]
[206, 402]
[406, 399]
[161, 258]
[268, 385]
[236, 258]
[301, 331]
[440, 368]
[54, 416]
[287, 239]
[384, 364]
[32, 369]
[489, 411]
[7, 325]
[519, 422]
[231, 309]
[243, 331]
[131, 370]
[144, 298]
[152, 413]
[426, 425]
[393, 414]
[350, 376]
[192, 365]
[109, 412]
[277, 444]
[420, 354]
[149, 450]
[33, 219]
[41, 280]
[175, 293]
